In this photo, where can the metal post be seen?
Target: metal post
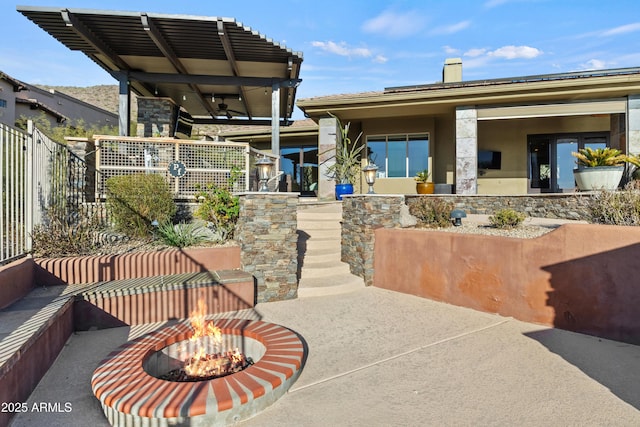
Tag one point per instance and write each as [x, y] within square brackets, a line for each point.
[275, 119]
[124, 107]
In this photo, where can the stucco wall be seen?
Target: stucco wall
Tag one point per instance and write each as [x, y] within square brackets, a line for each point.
[16, 281]
[580, 277]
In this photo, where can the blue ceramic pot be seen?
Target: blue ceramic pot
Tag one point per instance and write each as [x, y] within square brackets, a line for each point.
[342, 189]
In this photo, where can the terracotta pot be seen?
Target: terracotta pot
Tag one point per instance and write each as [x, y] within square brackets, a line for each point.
[425, 187]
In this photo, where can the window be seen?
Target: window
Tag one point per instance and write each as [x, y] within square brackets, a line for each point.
[399, 156]
[3, 103]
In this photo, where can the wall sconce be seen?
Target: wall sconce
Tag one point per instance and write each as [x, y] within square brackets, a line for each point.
[457, 215]
[370, 172]
[264, 166]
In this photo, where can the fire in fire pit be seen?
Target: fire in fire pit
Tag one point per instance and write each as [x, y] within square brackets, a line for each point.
[202, 354]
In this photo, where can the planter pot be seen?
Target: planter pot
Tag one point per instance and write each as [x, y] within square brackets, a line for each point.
[342, 189]
[425, 187]
[598, 178]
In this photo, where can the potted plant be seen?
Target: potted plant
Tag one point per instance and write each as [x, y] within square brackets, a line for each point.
[599, 169]
[346, 169]
[423, 185]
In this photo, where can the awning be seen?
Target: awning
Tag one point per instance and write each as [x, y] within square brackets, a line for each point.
[217, 69]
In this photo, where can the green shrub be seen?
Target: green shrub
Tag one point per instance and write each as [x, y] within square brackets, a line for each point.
[431, 212]
[219, 206]
[506, 218]
[134, 201]
[616, 207]
[183, 234]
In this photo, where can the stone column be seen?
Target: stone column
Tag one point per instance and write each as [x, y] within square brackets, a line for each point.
[466, 150]
[156, 117]
[361, 216]
[267, 233]
[633, 124]
[85, 149]
[328, 134]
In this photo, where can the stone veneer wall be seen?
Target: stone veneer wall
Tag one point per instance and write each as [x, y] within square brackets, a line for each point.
[156, 117]
[363, 214]
[562, 206]
[267, 233]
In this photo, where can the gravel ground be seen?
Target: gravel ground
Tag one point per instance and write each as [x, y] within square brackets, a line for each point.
[522, 231]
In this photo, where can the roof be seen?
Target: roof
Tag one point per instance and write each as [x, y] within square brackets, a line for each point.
[438, 97]
[215, 68]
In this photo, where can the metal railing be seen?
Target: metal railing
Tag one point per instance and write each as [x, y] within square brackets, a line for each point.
[184, 164]
[40, 179]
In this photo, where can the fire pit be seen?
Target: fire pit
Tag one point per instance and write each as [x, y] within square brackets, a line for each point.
[150, 380]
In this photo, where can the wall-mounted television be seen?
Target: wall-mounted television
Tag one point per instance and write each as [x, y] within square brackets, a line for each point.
[489, 159]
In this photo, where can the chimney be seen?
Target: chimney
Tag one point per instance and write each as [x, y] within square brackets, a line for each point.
[452, 71]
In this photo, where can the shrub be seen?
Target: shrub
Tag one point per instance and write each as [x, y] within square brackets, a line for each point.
[219, 206]
[63, 237]
[183, 234]
[431, 212]
[616, 207]
[134, 201]
[506, 218]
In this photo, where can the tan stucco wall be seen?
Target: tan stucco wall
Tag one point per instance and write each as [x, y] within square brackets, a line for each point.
[510, 138]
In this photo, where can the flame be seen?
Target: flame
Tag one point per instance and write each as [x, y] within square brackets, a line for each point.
[199, 364]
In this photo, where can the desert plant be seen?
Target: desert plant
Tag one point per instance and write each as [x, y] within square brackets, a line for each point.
[431, 212]
[60, 236]
[588, 157]
[346, 168]
[616, 207]
[182, 235]
[217, 205]
[135, 201]
[423, 176]
[506, 218]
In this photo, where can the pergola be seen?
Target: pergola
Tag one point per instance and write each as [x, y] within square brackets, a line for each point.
[218, 70]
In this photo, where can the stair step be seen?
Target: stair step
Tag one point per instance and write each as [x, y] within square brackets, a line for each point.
[319, 216]
[329, 285]
[319, 225]
[311, 259]
[335, 234]
[324, 269]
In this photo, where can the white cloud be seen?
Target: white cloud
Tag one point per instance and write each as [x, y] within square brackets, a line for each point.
[451, 29]
[623, 29]
[394, 24]
[342, 49]
[475, 52]
[450, 50]
[380, 59]
[594, 64]
[513, 52]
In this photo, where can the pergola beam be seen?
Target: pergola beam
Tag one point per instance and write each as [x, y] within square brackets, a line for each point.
[231, 57]
[204, 79]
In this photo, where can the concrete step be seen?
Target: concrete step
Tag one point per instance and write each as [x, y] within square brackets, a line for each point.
[329, 285]
[313, 215]
[320, 257]
[319, 225]
[316, 244]
[312, 270]
[322, 234]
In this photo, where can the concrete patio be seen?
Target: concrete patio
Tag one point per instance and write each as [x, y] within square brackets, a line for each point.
[381, 358]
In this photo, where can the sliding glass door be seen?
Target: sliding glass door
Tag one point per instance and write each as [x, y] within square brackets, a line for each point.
[551, 163]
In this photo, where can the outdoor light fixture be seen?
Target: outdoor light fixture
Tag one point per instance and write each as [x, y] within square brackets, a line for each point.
[457, 215]
[370, 172]
[264, 166]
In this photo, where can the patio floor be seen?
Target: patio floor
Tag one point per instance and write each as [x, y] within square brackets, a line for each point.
[380, 358]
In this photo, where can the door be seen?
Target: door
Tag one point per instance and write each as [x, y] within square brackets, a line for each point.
[300, 166]
[551, 163]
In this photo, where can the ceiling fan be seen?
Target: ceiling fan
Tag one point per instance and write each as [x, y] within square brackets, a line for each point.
[224, 110]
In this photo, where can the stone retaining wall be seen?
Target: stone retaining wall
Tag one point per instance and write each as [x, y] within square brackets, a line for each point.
[267, 233]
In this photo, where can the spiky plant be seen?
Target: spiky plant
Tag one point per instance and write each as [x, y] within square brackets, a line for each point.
[607, 156]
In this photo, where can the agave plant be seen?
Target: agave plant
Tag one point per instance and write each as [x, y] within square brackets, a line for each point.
[607, 156]
[346, 168]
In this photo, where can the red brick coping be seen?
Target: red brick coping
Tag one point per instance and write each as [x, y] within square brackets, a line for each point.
[131, 396]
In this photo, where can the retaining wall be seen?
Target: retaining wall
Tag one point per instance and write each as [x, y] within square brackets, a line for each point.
[579, 277]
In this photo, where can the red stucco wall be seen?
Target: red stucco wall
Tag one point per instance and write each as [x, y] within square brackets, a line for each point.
[89, 269]
[579, 277]
[16, 281]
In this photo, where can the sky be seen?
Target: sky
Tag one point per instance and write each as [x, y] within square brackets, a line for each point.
[360, 46]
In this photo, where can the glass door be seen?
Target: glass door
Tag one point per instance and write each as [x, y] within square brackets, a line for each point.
[551, 163]
[300, 166]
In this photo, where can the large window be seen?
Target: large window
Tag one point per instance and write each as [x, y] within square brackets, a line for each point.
[399, 156]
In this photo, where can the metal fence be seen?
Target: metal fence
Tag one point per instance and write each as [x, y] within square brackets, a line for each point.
[40, 179]
[184, 164]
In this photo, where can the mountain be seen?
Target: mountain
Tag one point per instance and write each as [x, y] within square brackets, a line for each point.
[103, 96]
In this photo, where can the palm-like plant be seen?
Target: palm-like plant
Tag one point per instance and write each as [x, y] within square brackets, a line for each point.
[346, 168]
[607, 156]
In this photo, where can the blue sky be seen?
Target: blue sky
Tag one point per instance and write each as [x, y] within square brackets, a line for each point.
[357, 46]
